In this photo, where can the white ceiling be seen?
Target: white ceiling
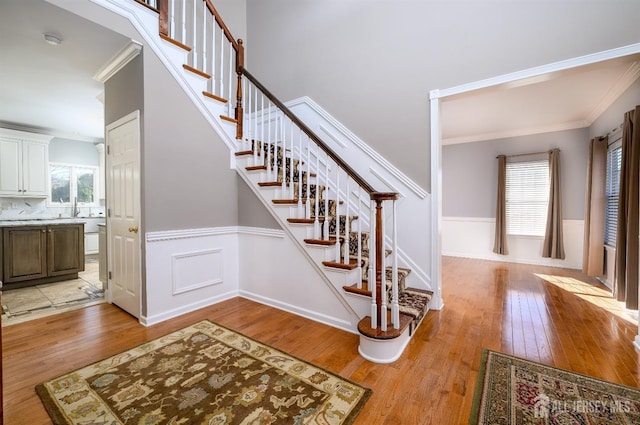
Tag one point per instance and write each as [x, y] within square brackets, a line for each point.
[47, 88]
[562, 100]
[51, 88]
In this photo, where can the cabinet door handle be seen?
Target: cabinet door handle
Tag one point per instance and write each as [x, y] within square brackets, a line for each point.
[44, 231]
[133, 229]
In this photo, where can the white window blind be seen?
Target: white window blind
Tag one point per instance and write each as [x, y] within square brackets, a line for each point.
[527, 197]
[614, 160]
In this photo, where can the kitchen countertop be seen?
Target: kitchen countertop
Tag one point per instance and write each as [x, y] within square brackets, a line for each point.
[45, 221]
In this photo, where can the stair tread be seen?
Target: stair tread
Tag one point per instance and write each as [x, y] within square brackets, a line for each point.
[241, 153]
[338, 265]
[196, 71]
[175, 42]
[364, 327]
[320, 242]
[255, 167]
[295, 220]
[214, 97]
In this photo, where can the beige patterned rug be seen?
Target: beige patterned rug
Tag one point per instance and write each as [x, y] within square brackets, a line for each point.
[515, 391]
[203, 374]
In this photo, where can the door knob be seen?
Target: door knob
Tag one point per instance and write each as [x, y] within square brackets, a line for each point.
[133, 229]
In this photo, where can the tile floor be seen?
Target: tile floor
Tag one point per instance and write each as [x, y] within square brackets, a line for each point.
[23, 304]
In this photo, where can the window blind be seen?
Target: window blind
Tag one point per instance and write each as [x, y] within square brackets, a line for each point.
[614, 161]
[527, 197]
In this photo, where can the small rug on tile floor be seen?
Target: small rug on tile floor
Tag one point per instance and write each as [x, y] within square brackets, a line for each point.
[202, 374]
[511, 390]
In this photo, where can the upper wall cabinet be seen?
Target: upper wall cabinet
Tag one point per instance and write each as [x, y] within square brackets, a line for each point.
[24, 160]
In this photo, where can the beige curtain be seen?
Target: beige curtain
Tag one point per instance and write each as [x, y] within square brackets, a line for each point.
[500, 242]
[553, 245]
[595, 206]
[626, 288]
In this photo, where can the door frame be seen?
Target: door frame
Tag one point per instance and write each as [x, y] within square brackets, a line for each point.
[133, 116]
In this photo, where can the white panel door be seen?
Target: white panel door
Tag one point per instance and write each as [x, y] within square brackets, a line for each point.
[123, 220]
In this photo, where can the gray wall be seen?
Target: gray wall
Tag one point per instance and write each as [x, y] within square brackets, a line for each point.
[187, 180]
[251, 212]
[73, 152]
[470, 172]
[372, 63]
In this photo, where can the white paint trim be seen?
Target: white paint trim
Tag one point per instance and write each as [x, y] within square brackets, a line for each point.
[436, 203]
[168, 235]
[118, 61]
[539, 70]
[309, 314]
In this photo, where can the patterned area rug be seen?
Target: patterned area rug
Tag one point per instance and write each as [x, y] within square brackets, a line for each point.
[203, 374]
[516, 391]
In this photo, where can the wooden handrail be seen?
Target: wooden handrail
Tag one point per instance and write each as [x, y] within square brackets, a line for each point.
[222, 25]
[350, 171]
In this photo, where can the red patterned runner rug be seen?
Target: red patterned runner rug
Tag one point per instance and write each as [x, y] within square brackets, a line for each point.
[511, 390]
[202, 374]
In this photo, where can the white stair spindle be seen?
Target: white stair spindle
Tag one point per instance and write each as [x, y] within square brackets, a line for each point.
[204, 36]
[383, 267]
[316, 226]
[300, 176]
[372, 264]
[395, 308]
[337, 213]
[172, 19]
[267, 154]
[214, 27]
[291, 165]
[359, 212]
[221, 73]
[325, 223]
[231, 51]
[347, 225]
[194, 41]
[183, 34]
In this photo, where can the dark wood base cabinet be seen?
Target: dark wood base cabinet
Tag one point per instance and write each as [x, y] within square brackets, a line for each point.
[41, 254]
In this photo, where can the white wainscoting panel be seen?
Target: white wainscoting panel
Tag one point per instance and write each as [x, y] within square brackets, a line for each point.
[197, 269]
[189, 269]
[275, 272]
[473, 238]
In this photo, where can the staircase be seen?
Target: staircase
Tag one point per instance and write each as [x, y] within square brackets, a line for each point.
[346, 228]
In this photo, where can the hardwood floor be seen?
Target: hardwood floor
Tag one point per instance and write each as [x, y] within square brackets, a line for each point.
[561, 319]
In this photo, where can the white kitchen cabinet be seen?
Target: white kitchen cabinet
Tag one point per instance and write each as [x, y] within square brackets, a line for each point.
[91, 245]
[24, 162]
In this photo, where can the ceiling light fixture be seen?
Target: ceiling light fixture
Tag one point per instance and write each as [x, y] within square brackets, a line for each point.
[52, 39]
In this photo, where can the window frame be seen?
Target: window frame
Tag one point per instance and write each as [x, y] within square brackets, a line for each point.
[536, 166]
[73, 190]
[614, 145]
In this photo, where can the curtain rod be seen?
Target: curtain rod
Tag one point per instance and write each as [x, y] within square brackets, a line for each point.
[527, 154]
[618, 127]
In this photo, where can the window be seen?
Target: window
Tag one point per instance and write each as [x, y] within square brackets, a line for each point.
[527, 197]
[614, 160]
[71, 183]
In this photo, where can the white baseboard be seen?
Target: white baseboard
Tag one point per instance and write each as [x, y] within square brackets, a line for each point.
[298, 311]
[184, 309]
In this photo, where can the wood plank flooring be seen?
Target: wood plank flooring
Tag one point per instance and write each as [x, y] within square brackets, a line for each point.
[554, 316]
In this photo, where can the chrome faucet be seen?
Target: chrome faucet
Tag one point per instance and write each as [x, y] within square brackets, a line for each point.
[75, 212]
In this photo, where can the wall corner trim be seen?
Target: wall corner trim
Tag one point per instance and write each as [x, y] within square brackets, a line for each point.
[118, 61]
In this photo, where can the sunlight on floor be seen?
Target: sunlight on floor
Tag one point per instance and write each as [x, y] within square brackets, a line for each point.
[599, 297]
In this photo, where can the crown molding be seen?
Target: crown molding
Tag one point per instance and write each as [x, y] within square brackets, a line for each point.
[118, 61]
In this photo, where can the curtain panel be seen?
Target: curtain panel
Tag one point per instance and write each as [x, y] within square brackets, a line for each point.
[595, 206]
[553, 245]
[500, 242]
[626, 287]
